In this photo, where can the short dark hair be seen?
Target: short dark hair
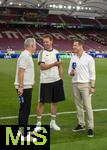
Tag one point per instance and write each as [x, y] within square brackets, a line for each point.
[80, 41]
[48, 36]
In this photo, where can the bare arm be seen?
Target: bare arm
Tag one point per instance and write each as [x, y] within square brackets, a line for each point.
[92, 83]
[92, 74]
[21, 80]
[44, 66]
[60, 68]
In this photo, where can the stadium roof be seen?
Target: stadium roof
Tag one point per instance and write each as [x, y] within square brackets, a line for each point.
[84, 8]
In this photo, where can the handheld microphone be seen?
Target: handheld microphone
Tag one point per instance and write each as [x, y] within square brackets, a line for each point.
[58, 57]
[74, 65]
[21, 99]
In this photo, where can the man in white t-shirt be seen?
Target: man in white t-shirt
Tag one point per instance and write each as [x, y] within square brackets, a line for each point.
[82, 70]
[51, 83]
[24, 80]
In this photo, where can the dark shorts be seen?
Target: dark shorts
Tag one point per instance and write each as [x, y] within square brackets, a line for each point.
[52, 92]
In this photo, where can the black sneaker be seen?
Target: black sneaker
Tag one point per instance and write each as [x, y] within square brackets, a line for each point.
[90, 133]
[78, 128]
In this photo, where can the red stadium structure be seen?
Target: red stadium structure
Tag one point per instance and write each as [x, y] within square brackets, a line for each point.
[18, 23]
[14, 37]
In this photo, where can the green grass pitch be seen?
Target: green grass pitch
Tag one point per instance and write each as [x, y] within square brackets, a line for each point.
[65, 139]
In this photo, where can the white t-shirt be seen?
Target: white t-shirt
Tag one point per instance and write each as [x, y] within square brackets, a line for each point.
[85, 68]
[25, 61]
[52, 74]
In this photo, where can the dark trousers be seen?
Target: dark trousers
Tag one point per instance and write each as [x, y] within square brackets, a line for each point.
[25, 105]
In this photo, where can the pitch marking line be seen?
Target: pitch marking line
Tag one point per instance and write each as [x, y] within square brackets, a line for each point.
[47, 114]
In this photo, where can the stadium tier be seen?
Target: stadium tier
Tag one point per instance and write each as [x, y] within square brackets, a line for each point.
[13, 37]
[102, 21]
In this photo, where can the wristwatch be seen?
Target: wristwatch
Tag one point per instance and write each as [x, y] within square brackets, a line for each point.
[93, 87]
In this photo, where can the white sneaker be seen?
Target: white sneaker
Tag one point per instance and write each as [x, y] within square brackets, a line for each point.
[26, 138]
[22, 138]
[38, 127]
[38, 124]
[19, 133]
[54, 126]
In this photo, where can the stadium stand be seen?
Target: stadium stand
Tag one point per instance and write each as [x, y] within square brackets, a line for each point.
[14, 37]
[17, 24]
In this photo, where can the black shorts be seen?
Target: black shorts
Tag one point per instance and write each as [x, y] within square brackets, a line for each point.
[52, 92]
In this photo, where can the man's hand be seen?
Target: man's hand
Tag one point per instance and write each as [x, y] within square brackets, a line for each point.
[44, 66]
[57, 63]
[20, 91]
[91, 90]
[73, 72]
